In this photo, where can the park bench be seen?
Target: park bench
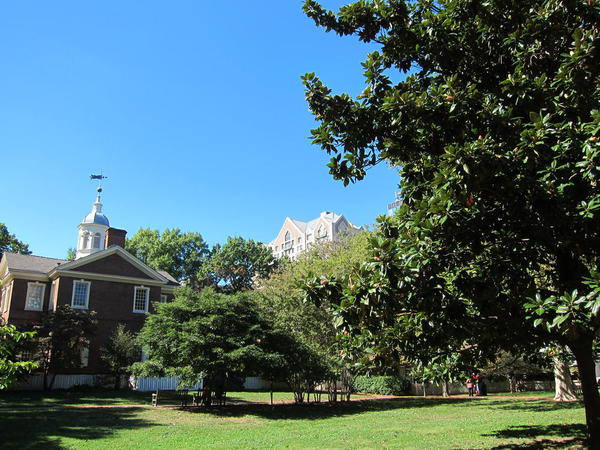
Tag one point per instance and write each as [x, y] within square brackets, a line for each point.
[180, 397]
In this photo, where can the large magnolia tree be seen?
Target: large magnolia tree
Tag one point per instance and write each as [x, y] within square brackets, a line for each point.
[495, 129]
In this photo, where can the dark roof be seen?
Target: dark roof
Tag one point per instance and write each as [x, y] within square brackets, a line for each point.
[41, 264]
[171, 281]
[31, 263]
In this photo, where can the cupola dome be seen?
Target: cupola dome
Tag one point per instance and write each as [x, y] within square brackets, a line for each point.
[92, 230]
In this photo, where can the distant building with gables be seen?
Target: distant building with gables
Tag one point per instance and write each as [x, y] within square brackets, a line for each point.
[296, 236]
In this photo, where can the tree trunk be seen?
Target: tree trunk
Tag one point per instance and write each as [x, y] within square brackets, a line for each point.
[52, 382]
[564, 388]
[271, 392]
[445, 390]
[512, 383]
[424, 389]
[591, 399]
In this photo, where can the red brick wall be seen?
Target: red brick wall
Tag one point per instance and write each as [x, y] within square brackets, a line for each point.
[17, 313]
[113, 265]
[115, 236]
[113, 303]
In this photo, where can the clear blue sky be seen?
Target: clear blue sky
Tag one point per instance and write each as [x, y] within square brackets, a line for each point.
[194, 110]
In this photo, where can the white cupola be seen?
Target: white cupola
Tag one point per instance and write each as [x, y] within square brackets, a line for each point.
[92, 230]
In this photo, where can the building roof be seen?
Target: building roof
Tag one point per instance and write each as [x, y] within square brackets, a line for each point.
[32, 263]
[311, 225]
[96, 216]
[43, 265]
[169, 277]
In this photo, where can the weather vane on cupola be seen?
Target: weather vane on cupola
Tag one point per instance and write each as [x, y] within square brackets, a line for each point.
[99, 178]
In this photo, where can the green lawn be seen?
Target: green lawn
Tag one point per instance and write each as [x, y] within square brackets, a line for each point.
[496, 421]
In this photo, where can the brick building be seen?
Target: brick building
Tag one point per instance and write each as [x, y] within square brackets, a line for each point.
[103, 278]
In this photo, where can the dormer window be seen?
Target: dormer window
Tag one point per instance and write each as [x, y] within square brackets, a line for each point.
[322, 232]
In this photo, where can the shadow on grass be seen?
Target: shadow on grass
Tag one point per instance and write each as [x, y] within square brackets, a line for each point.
[44, 428]
[15, 399]
[318, 411]
[561, 436]
[536, 405]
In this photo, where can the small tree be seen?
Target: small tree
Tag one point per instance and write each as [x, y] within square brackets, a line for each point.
[71, 253]
[120, 352]
[62, 336]
[514, 366]
[208, 336]
[10, 368]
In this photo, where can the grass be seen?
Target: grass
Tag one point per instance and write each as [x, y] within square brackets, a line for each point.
[493, 422]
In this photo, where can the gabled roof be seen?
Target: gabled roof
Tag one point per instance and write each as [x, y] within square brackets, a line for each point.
[301, 225]
[72, 265]
[40, 266]
[311, 225]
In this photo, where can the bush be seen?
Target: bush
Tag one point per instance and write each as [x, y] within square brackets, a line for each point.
[383, 385]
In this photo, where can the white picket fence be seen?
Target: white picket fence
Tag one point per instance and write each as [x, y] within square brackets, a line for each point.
[36, 382]
[145, 384]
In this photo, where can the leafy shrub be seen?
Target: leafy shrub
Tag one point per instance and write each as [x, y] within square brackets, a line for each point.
[383, 385]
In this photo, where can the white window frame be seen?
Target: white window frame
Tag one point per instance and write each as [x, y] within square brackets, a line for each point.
[135, 291]
[87, 297]
[96, 240]
[41, 308]
[163, 298]
[85, 240]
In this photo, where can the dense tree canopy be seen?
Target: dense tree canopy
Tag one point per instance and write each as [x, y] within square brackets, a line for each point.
[10, 243]
[495, 129]
[210, 336]
[181, 254]
[282, 295]
[236, 265]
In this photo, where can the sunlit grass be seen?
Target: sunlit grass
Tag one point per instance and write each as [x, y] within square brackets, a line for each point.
[417, 422]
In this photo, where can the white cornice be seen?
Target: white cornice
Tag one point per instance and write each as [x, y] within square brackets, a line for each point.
[25, 275]
[99, 276]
